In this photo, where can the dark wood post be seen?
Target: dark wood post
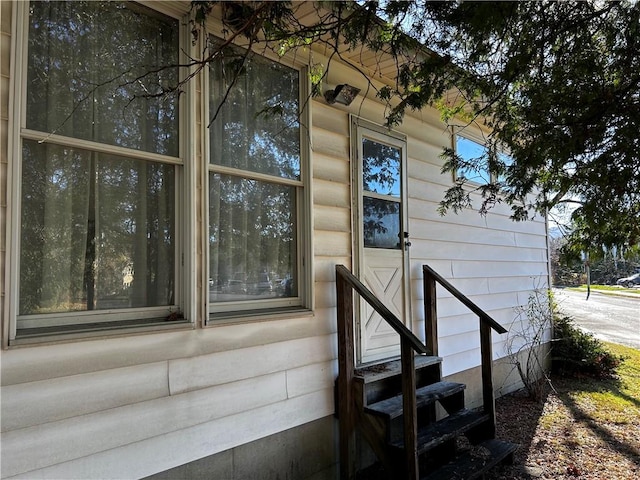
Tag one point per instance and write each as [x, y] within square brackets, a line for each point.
[409, 409]
[486, 355]
[346, 364]
[430, 312]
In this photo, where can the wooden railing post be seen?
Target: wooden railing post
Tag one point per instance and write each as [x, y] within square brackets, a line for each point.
[486, 354]
[410, 409]
[430, 312]
[487, 324]
[346, 365]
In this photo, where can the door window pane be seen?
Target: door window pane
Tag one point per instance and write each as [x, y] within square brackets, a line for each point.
[252, 239]
[254, 112]
[381, 168]
[97, 71]
[97, 231]
[381, 223]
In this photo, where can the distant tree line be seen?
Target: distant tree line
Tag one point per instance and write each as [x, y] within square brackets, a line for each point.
[606, 266]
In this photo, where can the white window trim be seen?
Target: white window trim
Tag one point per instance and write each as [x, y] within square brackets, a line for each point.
[223, 313]
[184, 279]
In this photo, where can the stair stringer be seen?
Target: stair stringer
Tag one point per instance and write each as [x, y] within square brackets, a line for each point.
[373, 430]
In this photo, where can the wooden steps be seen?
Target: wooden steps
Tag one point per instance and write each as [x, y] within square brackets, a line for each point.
[436, 438]
[475, 462]
[468, 465]
[449, 428]
[441, 453]
[375, 372]
[392, 407]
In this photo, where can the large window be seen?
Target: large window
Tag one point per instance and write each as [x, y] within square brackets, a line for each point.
[99, 171]
[255, 183]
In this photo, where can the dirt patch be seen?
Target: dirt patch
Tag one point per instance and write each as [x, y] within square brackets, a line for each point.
[568, 436]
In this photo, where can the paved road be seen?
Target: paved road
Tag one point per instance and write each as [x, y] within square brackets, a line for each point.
[610, 318]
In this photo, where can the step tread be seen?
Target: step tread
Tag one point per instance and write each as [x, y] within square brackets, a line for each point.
[379, 371]
[392, 407]
[475, 462]
[446, 429]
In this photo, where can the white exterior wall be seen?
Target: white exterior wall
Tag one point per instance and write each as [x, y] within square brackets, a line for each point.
[133, 405]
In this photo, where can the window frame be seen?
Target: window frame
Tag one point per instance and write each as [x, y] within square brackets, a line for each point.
[493, 176]
[374, 133]
[221, 313]
[65, 325]
[480, 174]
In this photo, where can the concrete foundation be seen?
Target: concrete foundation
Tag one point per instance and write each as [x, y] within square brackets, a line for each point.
[308, 452]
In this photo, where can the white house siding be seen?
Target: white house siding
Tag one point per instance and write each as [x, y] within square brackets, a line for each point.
[135, 405]
[493, 260]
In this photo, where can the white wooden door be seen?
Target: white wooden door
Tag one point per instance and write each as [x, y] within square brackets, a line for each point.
[381, 236]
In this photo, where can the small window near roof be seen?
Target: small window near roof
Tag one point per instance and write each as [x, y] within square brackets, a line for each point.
[473, 167]
[506, 161]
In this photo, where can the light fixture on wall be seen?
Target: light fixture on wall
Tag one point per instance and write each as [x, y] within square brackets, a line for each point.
[343, 94]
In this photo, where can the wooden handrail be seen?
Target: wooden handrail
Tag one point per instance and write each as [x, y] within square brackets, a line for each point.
[346, 283]
[486, 324]
[427, 270]
[381, 308]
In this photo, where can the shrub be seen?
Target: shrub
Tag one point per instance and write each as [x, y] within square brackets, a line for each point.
[529, 331]
[578, 353]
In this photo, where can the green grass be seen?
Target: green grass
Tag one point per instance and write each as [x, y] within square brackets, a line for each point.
[614, 401]
[590, 426]
[607, 288]
[610, 401]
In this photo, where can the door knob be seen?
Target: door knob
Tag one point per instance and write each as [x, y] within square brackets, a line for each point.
[407, 243]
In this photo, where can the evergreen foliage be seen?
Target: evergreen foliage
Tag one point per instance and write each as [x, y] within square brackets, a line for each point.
[557, 83]
[578, 353]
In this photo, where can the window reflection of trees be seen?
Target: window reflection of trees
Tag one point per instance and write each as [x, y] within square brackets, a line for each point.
[87, 217]
[100, 214]
[253, 231]
[257, 127]
[253, 221]
[381, 169]
[93, 74]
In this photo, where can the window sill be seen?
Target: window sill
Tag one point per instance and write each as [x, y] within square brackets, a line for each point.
[48, 335]
[258, 315]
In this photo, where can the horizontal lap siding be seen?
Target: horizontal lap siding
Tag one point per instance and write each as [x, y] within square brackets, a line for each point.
[491, 259]
[28, 404]
[132, 406]
[25, 365]
[89, 434]
[332, 240]
[156, 401]
[188, 374]
[144, 402]
[177, 447]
